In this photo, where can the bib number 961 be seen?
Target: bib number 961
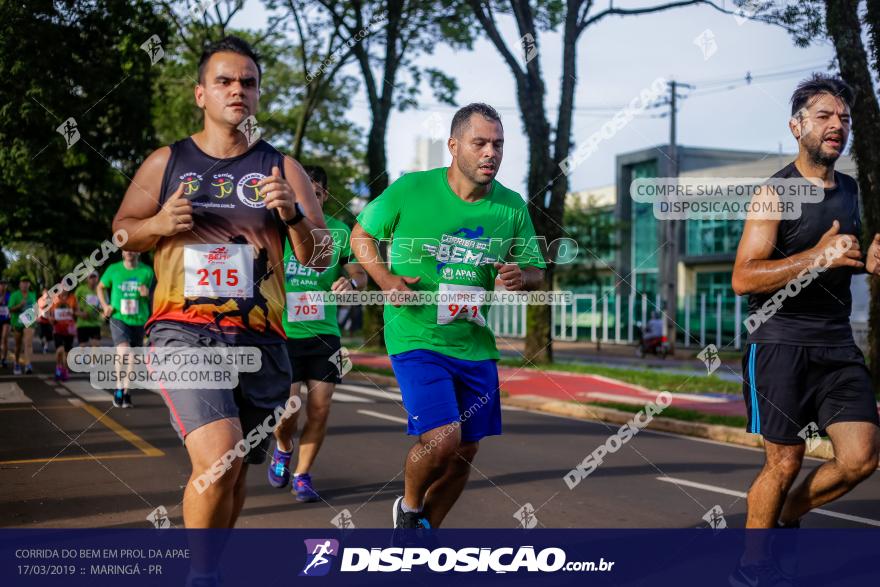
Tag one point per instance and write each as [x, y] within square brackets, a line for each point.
[460, 302]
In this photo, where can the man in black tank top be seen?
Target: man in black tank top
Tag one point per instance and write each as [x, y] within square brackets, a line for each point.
[217, 208]
[803, 374]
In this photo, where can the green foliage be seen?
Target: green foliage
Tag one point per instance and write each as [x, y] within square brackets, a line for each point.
[79, 59]
[331, 140]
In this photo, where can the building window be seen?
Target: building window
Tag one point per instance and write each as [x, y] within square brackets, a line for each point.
[713, 237]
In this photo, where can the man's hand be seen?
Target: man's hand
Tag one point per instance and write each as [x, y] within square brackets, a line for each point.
[144, 291]
[872, 258]
[175, 216]
[832, 244]
[341, 284]
[510, 275]
[398, 283]
[279, 195]
[108, 311]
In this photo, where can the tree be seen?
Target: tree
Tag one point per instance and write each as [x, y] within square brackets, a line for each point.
[54, 196]
[385, 37]
[549, 146]
[309, 125]
[844, 27]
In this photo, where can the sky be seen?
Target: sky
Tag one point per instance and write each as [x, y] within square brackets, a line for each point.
[617, 58]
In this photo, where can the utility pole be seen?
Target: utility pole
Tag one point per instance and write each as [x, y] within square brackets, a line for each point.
[669, 268]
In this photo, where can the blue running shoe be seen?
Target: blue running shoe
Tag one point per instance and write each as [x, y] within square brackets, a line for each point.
[302, 487]
[117, 398]
[279, 471]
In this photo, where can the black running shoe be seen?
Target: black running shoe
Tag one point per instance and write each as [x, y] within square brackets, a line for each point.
[126, 400]
[413, 520]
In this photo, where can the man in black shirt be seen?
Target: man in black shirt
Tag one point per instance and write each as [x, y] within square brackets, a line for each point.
[803, 374]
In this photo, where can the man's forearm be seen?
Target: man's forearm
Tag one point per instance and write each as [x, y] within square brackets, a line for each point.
[312, 244]
[366, 251]
[767, 276]
[141, 233]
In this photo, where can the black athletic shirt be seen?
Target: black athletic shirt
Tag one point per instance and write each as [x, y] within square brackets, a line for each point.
[819, 314]
[203, 277]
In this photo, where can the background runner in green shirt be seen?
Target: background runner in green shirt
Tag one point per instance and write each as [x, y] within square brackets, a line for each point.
[313, 346]
[304, 318]
[20, 301]
[129, 285]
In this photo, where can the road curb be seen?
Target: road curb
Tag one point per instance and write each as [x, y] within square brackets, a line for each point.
[715, 432]
[579, 411]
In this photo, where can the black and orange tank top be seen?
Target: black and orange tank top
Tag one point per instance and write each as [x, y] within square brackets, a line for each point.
[225, 277]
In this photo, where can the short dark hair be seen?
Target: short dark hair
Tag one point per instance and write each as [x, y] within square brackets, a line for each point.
[462, 118]
[820, 83]
[230, 44]
[316, 173]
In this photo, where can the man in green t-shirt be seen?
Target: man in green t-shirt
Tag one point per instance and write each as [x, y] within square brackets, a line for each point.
[313, 346]
[129, 283]
[453, 231]
[21, 308]
[89, 312]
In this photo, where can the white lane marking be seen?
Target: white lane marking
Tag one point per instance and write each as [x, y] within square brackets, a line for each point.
[60, 390]
[724, 491]
[708, 399]
[85, 390]
[75, 401]
[383, 416]
[372, 392]
[11, 393]
[338, 396]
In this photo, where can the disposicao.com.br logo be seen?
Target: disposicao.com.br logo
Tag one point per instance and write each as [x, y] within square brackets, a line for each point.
[443, 559]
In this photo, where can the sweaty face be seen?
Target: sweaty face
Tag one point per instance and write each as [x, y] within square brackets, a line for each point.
[478, 151]
[824, 125]
[229, 89]
[129, 256]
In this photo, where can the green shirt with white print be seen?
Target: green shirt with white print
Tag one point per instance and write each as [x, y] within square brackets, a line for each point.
[451, 245]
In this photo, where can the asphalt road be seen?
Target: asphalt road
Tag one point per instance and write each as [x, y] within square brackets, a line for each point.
[62, 467]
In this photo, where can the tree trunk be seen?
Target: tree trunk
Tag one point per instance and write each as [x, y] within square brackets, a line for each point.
[844, 29]
[377, 163]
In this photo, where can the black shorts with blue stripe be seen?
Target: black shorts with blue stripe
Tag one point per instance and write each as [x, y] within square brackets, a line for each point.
[790, 388]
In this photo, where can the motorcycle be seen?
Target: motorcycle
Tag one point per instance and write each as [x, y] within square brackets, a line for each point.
[658, 346]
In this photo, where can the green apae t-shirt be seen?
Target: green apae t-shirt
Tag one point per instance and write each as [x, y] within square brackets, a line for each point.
[304, 315]
[130, 306]
[451, 245]
[87, 301]
[15, 299]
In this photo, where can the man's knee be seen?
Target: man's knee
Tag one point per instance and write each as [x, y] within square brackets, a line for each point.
[467, 451]
[858, 468]
[318, 413]
[784, 461]
[441, 444]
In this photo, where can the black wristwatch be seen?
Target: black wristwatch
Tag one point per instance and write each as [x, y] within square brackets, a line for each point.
[296, 217]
